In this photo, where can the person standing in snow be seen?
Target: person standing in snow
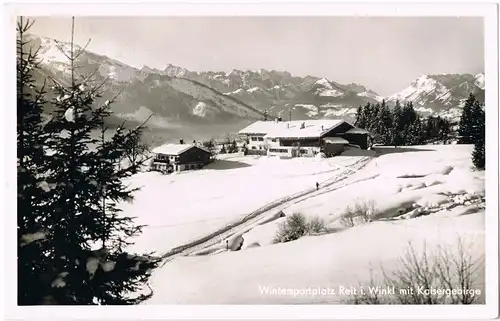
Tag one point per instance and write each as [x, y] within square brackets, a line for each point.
[317, 186]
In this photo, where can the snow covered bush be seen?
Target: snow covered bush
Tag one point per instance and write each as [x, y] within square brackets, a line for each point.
[446, 275]
[316, 226]
[362, 212]
[291, 229]
[296, 226]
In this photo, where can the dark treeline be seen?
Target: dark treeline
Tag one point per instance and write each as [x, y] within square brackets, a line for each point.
[402, 125]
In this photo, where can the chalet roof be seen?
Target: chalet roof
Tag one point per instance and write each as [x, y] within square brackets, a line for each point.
[335, 140]
[304, 128]
[312, 128]
[357, 130]
[175, 149]
[259, 127]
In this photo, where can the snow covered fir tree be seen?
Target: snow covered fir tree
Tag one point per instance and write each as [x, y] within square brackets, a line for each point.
[472, 130]
[73, 241]
[401, 125]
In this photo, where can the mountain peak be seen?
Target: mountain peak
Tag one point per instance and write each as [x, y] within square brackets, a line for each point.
[479, 80]
[174, 71]
[234, 72]
[440, 93]
[147, 69]
[324, 82]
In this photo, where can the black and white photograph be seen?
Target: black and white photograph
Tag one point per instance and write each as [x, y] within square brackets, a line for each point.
[240, 159]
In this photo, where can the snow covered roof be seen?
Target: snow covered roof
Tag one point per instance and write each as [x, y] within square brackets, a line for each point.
[303, 128]
[174, 149]
[356, 130]
[335, 140]
[292, 129]
[259, 127]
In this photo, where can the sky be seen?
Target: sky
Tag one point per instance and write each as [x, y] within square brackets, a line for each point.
[384, 54]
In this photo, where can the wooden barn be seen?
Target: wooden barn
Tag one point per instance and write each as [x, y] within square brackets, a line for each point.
[180, 157]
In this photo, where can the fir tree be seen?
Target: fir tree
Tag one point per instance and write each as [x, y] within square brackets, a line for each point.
[416, 135]
[467, 121]
[210, 145]
[86, 238]
[430, 128]
[383, 127]
[33, 190]
[367, 115]
[232, 147]
[397, 128]
[478, 134]
[407, 124]
[360, 121]
[444, 130]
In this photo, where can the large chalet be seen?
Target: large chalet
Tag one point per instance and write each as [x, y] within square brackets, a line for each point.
[303, 138]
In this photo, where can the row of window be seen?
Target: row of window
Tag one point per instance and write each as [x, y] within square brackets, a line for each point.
[157, 166]
[164, 157]
[261, 139]
[281, 150]
[278, 150]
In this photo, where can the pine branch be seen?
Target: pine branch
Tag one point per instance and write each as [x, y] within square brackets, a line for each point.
[83, 49]
[60, 48]
[92, 75]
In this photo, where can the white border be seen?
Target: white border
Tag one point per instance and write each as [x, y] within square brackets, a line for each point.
[487, 11]
[244, 8]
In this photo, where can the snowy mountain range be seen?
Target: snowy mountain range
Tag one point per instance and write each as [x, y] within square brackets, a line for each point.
[441, 94]
[178, 95]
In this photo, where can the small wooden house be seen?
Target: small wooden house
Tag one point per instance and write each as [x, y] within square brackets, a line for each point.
[180, 157]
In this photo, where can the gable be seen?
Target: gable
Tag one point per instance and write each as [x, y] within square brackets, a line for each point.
[195, 150]
[340, 129]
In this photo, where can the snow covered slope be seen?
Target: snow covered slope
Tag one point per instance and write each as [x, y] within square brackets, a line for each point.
[227, 192]
[343, 257]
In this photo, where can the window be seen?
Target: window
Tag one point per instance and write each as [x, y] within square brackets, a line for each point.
[261, 139]
[303, 151]
[273, 140]
[253, 147]
[253, 139]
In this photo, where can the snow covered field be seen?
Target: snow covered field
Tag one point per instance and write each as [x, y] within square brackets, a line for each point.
[181, 207]
[402, 182]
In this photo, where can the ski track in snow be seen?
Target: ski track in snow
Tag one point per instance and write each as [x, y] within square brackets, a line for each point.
[267, 211]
